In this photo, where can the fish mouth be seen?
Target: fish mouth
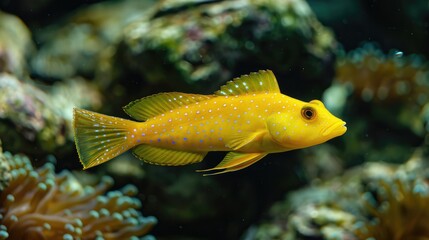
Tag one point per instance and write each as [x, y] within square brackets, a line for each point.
[336, 129]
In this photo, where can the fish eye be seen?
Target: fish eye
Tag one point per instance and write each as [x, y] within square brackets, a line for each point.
[308, 113]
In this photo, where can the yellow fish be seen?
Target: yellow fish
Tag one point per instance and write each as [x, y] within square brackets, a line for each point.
[248, 117]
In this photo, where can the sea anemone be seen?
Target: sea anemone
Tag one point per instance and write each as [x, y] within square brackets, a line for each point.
[39, 204]
[4, 171]
[397, 211]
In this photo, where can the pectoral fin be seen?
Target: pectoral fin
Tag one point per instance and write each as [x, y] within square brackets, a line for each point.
[239, 140]
[234, 161]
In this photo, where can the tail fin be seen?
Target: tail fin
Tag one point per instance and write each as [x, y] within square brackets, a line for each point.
[99, 137]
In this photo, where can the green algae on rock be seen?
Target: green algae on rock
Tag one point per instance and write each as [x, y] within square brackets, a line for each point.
[39, 204]
[37, 115]
[206, 44]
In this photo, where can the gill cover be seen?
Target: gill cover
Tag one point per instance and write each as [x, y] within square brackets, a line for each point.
[298, 127]
[277, 125]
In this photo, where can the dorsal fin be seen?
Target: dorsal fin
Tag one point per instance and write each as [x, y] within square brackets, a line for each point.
[157, 104]
[256, 82]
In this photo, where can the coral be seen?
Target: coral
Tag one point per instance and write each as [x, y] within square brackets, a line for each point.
[41, 116]
[207, 43]
[397, 206]
[385, 98]
[314, 212]
[399, 210]
[385, 80]
[311, 221]
[15, 45]
[374, 201]
[378, 77]
[39, 204]
[326, 210]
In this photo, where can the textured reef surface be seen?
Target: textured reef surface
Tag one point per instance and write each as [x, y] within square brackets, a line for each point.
[373, 201]
[203, 46]
[367, 61]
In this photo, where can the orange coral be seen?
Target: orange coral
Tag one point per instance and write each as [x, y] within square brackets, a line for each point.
[392, 77]
[38, 204]
[403, 212]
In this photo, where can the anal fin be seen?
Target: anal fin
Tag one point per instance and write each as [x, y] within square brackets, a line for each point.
[234, 161]
[167, 157]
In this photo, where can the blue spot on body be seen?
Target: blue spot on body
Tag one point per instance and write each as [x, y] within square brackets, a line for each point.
[138, 140]
[185, 139]
[173, 142]
[201, 140]
[159, 140]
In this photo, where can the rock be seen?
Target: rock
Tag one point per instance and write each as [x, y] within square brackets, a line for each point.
[37, 116]
[83, 44]
[209, 43]
[15, 45]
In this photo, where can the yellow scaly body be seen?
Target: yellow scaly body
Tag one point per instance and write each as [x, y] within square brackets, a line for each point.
[248, 117]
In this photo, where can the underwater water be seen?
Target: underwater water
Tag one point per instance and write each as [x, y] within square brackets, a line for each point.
[366, 60]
